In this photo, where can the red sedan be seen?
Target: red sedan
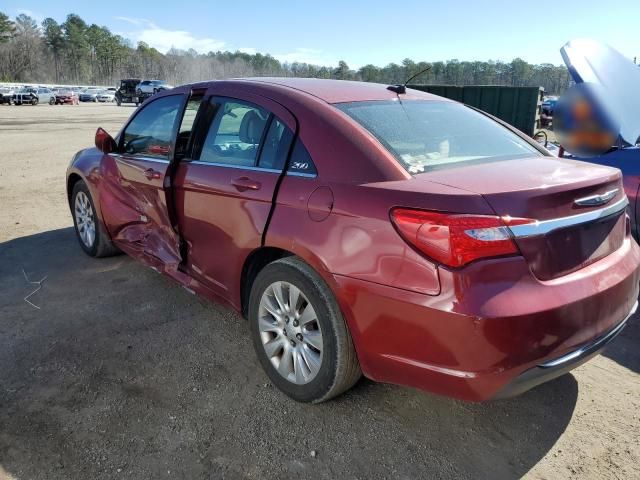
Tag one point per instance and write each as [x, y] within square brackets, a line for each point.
[67, 96]
[363, 229]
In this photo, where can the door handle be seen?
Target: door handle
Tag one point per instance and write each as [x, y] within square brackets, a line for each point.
[245, 183]
[152, 174]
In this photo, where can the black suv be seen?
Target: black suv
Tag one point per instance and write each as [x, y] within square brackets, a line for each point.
[126, 93]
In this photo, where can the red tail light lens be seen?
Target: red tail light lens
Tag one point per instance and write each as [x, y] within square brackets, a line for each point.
[456, 239]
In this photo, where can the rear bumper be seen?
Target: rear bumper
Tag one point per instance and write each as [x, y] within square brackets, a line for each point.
[555, 368]
[492, 322]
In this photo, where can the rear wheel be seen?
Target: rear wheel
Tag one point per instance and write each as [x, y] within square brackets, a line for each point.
[299, 334]
[52, 100]
[34, 101]
[93, 239]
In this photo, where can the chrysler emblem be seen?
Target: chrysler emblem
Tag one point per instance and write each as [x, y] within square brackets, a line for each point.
[595, 200]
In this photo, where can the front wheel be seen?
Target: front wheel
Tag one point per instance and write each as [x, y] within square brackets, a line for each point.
[93, 239]
[52, 101]
[299, 334]
[34, 102]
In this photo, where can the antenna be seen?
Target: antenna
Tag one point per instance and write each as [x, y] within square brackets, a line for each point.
[402, 88]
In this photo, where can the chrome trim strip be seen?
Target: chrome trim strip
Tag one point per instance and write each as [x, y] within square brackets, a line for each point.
[591, 346]
[139, 157]
[301, 174]
[257, 169]
[595, 200]
[238, 167]
[546, 226]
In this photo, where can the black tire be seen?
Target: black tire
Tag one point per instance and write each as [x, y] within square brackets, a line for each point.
[339, 368]
[52, 100]
[34, 102]
[102, 245]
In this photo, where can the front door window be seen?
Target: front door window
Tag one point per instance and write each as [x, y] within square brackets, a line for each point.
[151, 131]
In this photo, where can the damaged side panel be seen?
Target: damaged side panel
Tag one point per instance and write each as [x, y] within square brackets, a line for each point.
[134, 207]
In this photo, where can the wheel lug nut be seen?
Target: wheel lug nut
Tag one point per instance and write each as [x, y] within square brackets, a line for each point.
[299, 336]
[295, 323]
[286, 320]
[293, 344]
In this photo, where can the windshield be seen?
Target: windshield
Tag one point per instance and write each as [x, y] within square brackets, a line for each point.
[425, 135]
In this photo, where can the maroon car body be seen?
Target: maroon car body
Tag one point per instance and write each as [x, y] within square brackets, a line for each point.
[489, 328]
[67, 96]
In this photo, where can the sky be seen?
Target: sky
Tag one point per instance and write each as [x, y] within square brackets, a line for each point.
[377, 32]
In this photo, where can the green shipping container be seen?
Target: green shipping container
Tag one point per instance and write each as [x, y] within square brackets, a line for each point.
[518, 106]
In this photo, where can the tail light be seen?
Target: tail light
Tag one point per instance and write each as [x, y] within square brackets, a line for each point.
[456, 239]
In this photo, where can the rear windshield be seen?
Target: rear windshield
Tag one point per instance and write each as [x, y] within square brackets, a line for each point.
[426, 135]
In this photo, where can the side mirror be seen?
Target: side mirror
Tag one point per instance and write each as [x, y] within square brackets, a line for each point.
[105, 142]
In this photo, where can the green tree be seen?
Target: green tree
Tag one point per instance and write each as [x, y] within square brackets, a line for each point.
[342, 72]
[6, 28]
[54, 40]
[76, 46]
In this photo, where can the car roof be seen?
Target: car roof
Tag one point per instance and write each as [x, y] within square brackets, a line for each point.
[335, 91]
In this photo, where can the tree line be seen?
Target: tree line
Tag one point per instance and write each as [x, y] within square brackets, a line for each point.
[74, 52]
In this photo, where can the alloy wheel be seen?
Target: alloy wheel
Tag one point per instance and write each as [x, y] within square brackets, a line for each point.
[85, 220]
[290, 332]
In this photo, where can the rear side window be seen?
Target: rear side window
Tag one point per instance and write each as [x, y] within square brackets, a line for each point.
[301, 161]
[235, 134]
[276, 146]
[151, 130]
[426, 135]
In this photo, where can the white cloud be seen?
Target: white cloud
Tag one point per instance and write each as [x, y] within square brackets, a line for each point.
[164, 39]
[307, 55]
[38, 17]
[132, 21]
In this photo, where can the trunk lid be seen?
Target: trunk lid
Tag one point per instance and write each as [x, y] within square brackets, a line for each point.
[546, 189]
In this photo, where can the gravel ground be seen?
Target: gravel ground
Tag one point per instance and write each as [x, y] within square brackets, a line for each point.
[121, 374]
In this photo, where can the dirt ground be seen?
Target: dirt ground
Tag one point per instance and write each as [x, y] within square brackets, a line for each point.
[121, 374]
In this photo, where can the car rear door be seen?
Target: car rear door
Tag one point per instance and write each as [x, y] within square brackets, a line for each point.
[224, 187]
[135, 193]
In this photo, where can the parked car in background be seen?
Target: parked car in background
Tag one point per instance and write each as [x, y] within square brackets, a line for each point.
[152, 86]
[34, 96]
[359, 233]
[106, 96]
[617, 79]
[67, 97]
[89, 95]
[126, 92]
[547, 108]
[6, 95]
